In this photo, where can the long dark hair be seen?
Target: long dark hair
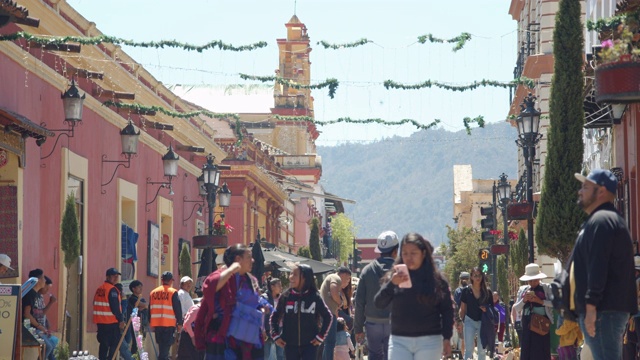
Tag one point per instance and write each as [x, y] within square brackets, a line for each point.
[271, 282]
[430, 290]
[485, 294]
[232, 251]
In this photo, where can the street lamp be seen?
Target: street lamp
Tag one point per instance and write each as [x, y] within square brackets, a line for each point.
[504, 191]
[209, 182]
[129, 137]
[170, 165]
[72, 105]
[528, 125]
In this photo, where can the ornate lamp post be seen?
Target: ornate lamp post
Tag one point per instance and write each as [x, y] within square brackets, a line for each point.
[504, 192]
[528, 124]
[208, 183]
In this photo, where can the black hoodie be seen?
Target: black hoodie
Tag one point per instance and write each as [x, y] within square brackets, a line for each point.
[299, 328]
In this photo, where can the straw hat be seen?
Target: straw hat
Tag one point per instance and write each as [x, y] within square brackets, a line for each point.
[532, 272]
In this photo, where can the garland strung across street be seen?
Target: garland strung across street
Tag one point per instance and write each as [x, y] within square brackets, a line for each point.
[362, 121]
[459, 40]
[360, 42]
[332, 84]
[478, 120]
[182, 115]
[95, 40]
[142, 109]
[390, 84]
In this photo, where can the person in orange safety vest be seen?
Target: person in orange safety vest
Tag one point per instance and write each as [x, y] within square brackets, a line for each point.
[108, 315]
[166, 314]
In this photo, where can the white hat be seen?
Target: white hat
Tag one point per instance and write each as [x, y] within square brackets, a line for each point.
[185, 279]
[532, 272]
[386, 242]
[636, 260]
[6, 261]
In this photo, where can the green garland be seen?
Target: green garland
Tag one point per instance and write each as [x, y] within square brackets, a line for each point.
[182, 115]
[466, 121]
[476, 84]
[141, 108]
[360, 42]
[478, 120]
[95, 40]
[332, 84]
[352, 121]
[459, 40]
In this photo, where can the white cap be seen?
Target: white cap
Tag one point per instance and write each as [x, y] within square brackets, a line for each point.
[386, 242]
[185, 279]
[6, 261]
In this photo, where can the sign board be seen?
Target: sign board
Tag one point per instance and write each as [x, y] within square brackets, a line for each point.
[9, 301]
[499, 249]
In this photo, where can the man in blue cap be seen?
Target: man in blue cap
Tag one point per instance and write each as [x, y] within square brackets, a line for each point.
[601, 268]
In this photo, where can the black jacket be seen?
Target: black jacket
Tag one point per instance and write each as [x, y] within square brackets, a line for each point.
[301, 315]
[603, 263]
[411, 317]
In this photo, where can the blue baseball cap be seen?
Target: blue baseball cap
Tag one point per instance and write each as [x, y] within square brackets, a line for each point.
[601, 177]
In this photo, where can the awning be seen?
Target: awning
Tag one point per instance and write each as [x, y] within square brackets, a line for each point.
[326, 196]
[282, 261]
[20, 124]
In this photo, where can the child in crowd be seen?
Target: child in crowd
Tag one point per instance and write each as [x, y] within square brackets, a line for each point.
[344, 346]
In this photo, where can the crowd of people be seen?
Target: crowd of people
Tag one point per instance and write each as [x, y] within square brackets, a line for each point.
[402, 308]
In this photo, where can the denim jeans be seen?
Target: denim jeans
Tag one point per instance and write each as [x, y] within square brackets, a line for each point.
[330, 340]
[125, 348]
[50, 343]
[415, 348]
[471, 331]
[273, 351]
[377, 340]
[607, 344]
[307, 352]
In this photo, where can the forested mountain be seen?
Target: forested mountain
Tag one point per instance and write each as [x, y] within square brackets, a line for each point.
[406, 183]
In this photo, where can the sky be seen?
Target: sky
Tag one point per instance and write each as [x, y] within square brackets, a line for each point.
[395, 54]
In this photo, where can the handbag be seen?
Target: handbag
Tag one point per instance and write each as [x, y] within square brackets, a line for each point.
[246, 322]
[540, 324]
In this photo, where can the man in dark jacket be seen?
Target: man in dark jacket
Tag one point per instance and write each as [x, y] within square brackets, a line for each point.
[375, 321]
[601, 267]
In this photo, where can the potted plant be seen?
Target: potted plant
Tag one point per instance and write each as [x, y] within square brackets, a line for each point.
[218, 238]
[617, 74]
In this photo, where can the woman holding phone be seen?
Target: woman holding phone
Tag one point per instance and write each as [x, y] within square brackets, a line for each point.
[421, 305]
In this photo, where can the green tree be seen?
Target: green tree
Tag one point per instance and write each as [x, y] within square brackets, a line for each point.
[184, 266]
[462, 252]
[304, 252]
[314, 240]
[70, 245]
[519, 254]
[559, 217]
[343, 231]
[503, 275]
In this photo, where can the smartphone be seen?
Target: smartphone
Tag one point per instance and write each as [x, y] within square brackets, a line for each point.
[402, 269]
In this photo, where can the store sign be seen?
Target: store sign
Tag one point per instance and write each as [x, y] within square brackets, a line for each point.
[9, 298]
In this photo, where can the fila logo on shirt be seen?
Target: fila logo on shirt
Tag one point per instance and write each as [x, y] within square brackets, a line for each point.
[292, 307]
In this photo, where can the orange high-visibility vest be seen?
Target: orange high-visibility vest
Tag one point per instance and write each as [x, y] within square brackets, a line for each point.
[101, 311]
[161, 306]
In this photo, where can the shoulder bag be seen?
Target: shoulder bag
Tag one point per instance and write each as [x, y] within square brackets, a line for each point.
[540, 324]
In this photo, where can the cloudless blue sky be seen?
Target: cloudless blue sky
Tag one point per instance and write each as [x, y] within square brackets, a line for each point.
[393, 25]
